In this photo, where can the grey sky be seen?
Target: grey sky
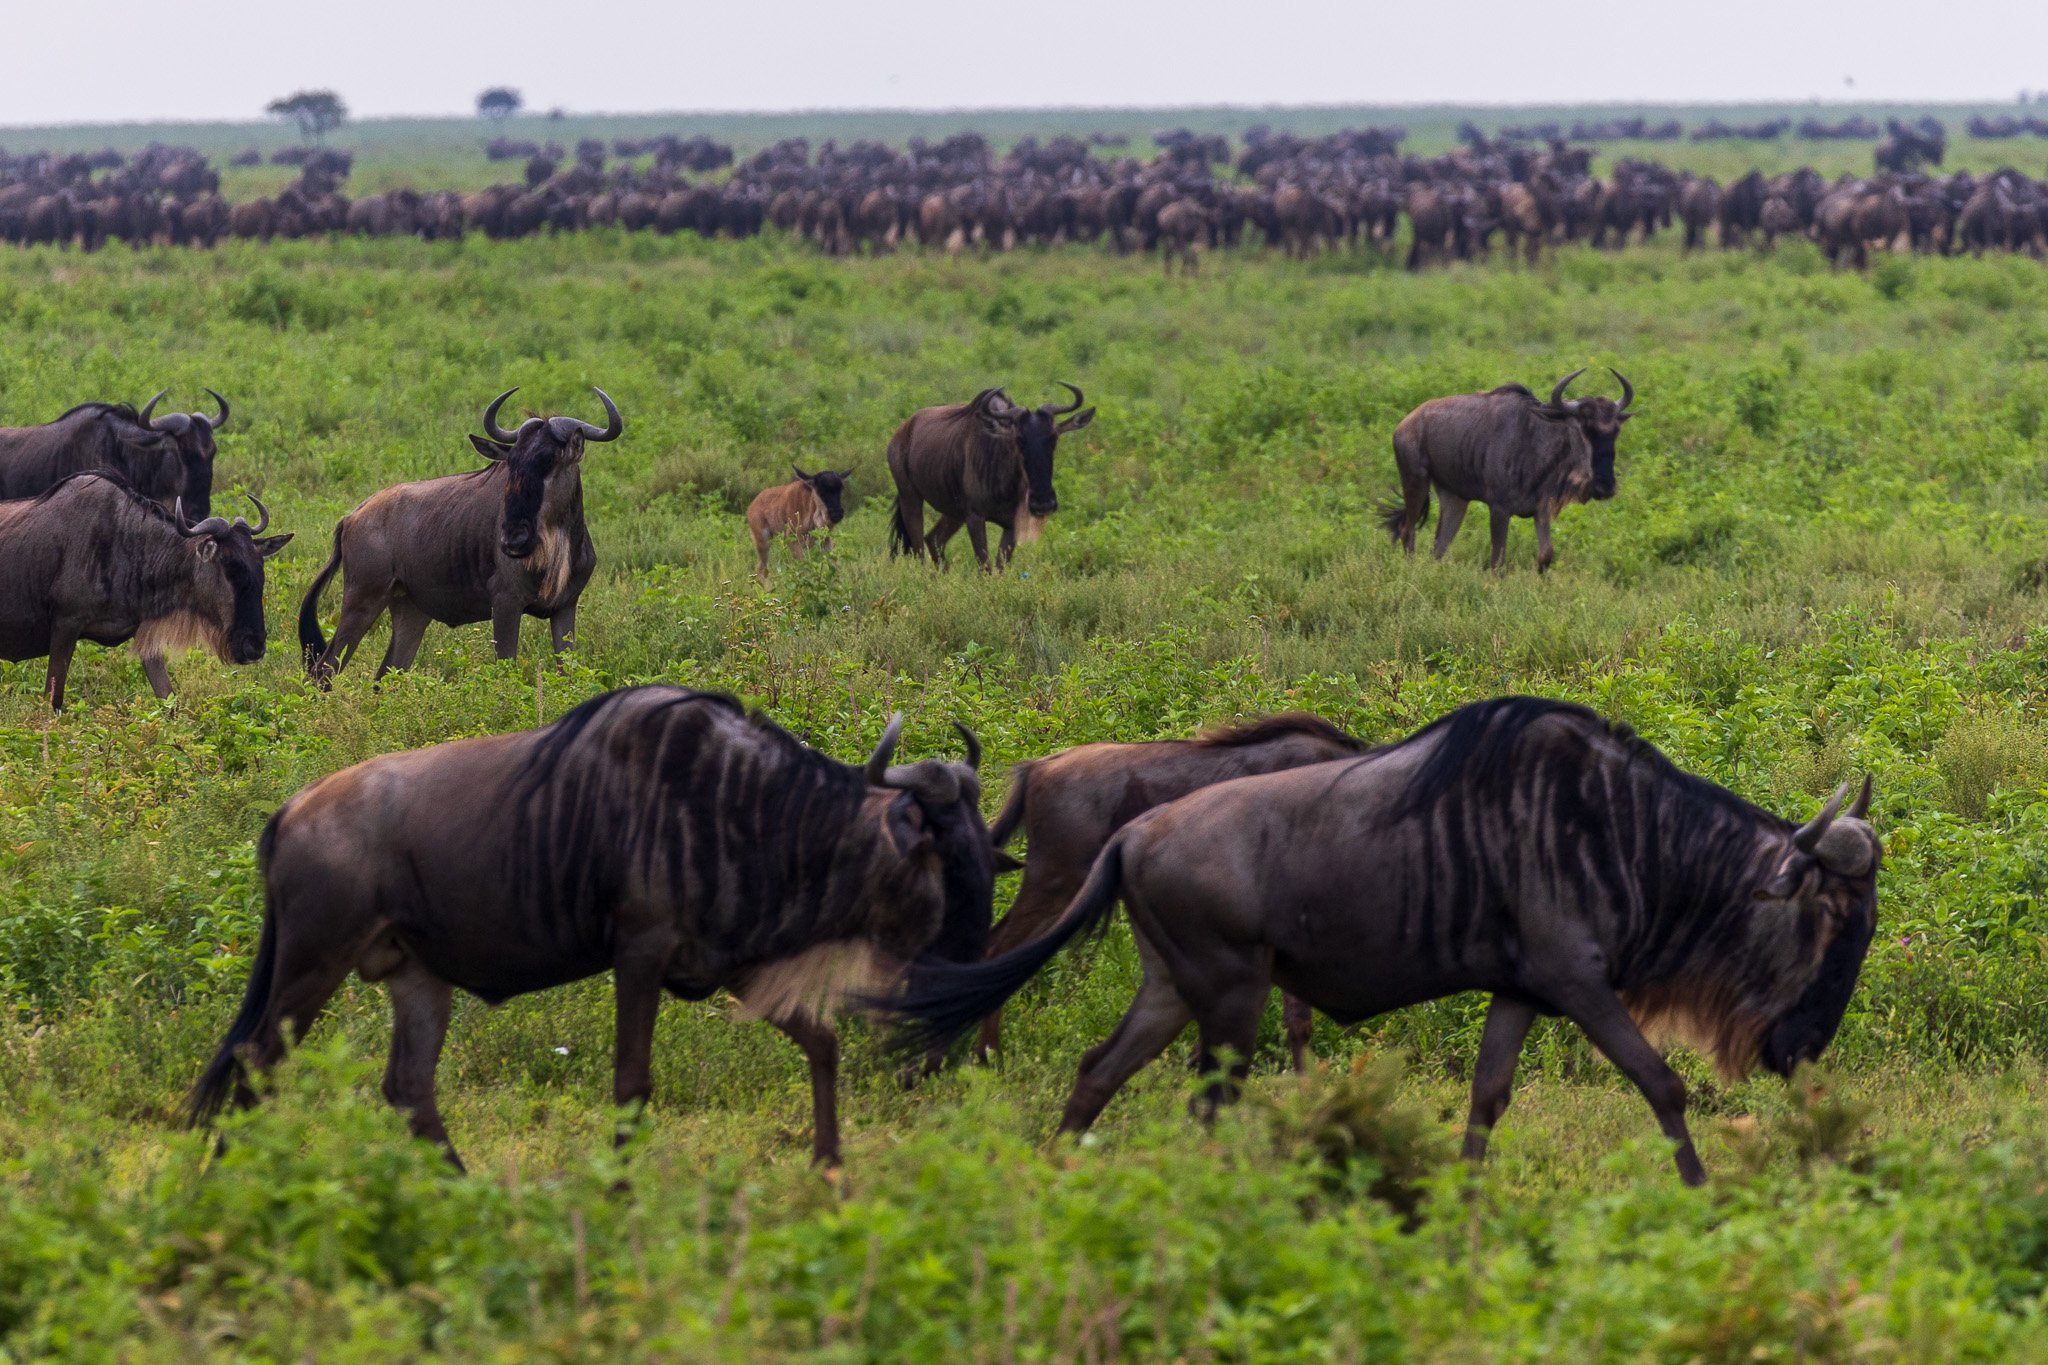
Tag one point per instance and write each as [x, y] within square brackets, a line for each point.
[223, 59]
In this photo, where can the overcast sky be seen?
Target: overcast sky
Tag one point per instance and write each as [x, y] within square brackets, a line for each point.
[223, 59]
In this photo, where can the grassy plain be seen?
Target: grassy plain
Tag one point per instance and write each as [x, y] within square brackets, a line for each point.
[1826, 557]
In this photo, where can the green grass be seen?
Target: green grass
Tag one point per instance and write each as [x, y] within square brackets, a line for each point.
[1825, 558]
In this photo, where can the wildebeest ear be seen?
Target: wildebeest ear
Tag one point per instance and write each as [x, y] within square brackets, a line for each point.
[270, 545]
[905, 824]
[1623, 416]
[1008, 862]
[206, 547]
[489, 449]
[1076, 422]
[1785, 882]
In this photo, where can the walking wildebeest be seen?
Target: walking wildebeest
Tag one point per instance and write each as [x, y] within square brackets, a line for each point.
[495, 544]
[979, 462]
[1521, 847]
[810, 503]
[1521, 457]
[165, 459]
[93, 559]
[1069, 804]
[660, 834]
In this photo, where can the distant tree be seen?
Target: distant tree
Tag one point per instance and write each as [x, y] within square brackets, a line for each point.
[317, 112]
[498, 102]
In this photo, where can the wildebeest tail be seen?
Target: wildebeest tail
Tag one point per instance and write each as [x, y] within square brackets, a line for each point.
[942, 1000]
[217, 1082]
[312, 642]
[900, 542]
[1394, 516]
[1012, 814]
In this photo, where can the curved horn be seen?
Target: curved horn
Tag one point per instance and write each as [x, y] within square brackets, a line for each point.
[1074, 406]
[798, 470]
[491, 427]
[1860, 807]
[150, 406]
[262, 516]
[878, 762]
[215, 423]
[614, 424]
[212, 526]
[1557, 394]
[973, 746]
[1628, 390]
[1808, 836]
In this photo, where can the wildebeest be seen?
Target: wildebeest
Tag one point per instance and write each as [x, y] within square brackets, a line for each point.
[165, 459]
[1521, 847]
[495, 544]
[809, 503]
[1069, 804]
[659, 834]
[1521, 457]
[93, 559]
[978, 462]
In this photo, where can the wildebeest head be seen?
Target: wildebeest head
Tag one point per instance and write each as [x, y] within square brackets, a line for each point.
[1037, 432]
[191, 434]
[1599, 419]
[1825, 886]
[229, 585]
[830, 486]
[540, 459]
[938, 814]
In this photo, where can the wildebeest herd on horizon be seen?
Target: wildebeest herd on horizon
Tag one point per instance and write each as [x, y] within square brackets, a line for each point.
[1301, 195]
[1519, 847]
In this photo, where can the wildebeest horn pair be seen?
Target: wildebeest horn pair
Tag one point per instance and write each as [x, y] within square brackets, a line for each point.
[220, 526]
[1848, 857]
[1557, 401]
[181, 422]
[798, 470]
[938, 783]
[562, 428]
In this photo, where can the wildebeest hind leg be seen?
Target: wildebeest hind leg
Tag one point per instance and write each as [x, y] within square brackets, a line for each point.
[408, 628]
[1039, 902]
[1605, 1020]
[1449, 517]
[1300, 1022]
[821, 1050]
[359, 611]
[419, 1024]
[1153, 1021]
[1493, 1077]
[935, 543]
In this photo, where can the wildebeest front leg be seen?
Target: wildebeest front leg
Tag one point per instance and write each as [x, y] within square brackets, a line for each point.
[419, 1024]
[505, 628]
[977, 536]
[61, 649]
[1450, 516]
[1006, 546]
[1493, 1078]
[562, 626]
[821, 1050]
[1543, 551]
[1595, 1009]
[637, 978]
[1300, 1021]
[159, 674]
[1498, 521]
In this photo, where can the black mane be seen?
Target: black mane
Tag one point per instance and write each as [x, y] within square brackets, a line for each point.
[121, 410]
[1277, 727]
[1512, 390]
[118, 480]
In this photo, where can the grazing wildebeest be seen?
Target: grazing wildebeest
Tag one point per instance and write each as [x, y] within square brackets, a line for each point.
[1069, 804]
[659, 834]
[496, 544]
[1521, 457]
[809, 503]
[1520, 847]
[93, 559]
[979, 462]
[165, 459]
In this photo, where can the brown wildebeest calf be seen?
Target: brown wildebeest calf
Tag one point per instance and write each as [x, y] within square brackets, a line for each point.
[810, 503]
[1069, 804]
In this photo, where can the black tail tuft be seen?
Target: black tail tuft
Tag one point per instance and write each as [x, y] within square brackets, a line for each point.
[944, 999]
[217, 1083]
[312, 643]
[900, 542]
[1394, 516]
